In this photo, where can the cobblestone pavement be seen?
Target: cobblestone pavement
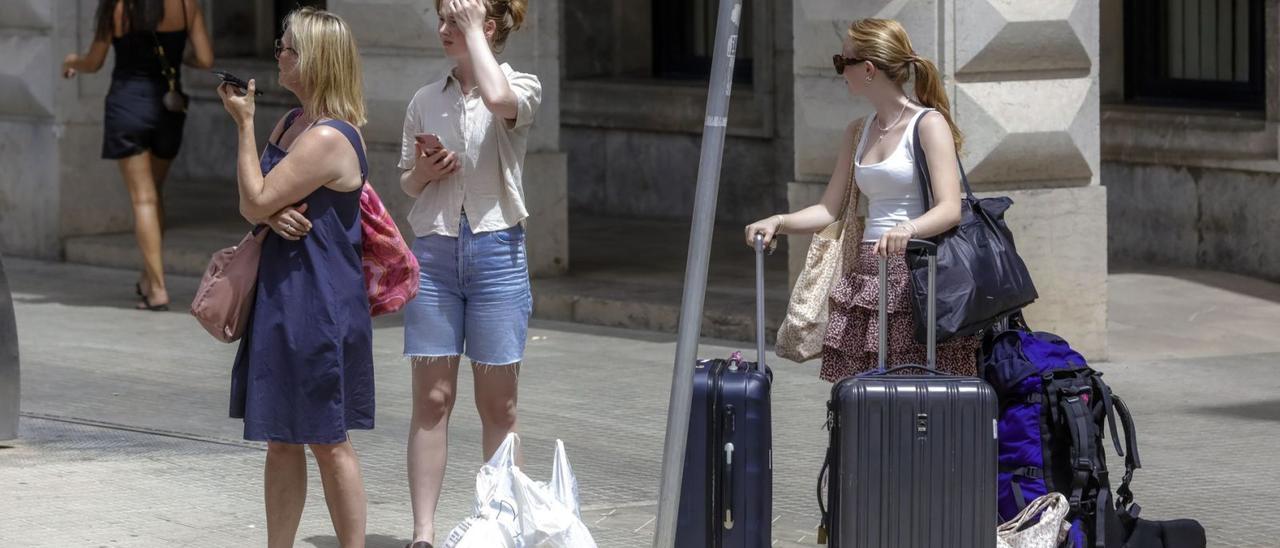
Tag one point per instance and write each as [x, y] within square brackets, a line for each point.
[125, 440]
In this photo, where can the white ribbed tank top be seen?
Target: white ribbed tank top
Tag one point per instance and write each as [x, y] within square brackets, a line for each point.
[891, 187]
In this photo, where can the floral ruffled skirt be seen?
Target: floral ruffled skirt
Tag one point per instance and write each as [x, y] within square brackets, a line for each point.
[850, 345]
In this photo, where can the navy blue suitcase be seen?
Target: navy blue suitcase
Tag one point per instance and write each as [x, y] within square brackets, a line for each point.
[912, 458]
[726, 497]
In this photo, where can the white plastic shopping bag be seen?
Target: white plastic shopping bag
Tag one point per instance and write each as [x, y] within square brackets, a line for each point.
[480, 532]
[515, 511]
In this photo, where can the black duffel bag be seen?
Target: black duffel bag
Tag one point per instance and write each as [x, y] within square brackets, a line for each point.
[980, 278]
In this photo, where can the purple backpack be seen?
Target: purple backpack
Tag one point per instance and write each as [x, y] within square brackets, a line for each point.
[1053, 407]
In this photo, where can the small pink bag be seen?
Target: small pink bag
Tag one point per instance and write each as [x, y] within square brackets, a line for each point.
[225, 297]
[390, 268]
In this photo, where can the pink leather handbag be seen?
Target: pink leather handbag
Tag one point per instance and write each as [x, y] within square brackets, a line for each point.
[225, 298]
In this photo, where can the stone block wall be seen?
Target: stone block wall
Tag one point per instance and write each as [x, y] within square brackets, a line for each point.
[634, 140]
[1023, 80]
[1191, 187]
[54, 184]
[1194, 217]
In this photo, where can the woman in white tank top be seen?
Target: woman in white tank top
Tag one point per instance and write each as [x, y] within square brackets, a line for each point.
[877, 61]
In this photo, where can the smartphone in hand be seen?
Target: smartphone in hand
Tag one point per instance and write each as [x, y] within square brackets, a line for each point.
[429, 142]
[234, 80]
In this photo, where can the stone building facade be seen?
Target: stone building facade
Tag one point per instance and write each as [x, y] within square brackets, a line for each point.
[56, 187]
[1190, 119]
[1023, 78]
[619, 130]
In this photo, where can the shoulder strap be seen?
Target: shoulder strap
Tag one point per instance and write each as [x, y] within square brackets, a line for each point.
[289, 119]
[848, 219]
[922, 168]
[1124, 493]
[353, 137]
[185, 22]
[850, 192]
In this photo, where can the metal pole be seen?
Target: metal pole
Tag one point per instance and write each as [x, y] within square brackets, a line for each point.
[9, 379]
[695, 275]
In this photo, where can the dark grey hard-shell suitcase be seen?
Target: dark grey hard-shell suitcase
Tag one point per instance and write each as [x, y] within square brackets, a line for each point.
[912, 458]
[726, 498]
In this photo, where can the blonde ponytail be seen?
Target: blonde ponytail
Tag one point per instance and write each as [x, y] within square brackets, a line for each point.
[931, 93]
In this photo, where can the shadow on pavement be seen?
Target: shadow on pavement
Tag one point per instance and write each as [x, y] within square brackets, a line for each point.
[371, 541]
[1256, 410]
[1226, 281]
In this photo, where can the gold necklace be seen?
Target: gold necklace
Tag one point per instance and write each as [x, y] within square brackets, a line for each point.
[885, 130]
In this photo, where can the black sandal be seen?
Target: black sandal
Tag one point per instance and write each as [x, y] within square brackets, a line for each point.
[419, 544]
[146, 305]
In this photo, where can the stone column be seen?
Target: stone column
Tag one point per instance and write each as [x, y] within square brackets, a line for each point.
[54, 183]
[1023, 81]
[402, 53]
[10, 379]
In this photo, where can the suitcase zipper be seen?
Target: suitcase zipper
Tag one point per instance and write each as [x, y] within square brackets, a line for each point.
[713, 488]
[727, 497]
[832, 475]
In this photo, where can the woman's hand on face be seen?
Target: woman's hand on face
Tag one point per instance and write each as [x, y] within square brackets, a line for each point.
[239, 106]
[437, 165]
[68, 65]
[894, 242]
[767, 227]
[290, 223]
[467, 14]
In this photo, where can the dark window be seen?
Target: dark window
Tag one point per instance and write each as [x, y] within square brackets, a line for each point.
[684, 33]
[1199, 53]
[248, 28]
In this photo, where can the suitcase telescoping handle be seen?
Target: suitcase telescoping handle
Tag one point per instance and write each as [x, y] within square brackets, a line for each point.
[930, 250]
[760, 249]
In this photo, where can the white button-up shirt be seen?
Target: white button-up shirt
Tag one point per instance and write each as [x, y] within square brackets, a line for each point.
[491, 151]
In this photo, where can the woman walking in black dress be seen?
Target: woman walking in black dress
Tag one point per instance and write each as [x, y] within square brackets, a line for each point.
[150, 39]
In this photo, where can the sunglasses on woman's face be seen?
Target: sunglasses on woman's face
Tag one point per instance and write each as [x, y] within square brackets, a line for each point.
[840, 61]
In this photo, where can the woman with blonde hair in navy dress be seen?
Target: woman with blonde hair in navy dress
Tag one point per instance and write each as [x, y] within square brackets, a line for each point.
[304, 374]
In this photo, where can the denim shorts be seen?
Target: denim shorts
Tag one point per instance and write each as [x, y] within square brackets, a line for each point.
[473, 297]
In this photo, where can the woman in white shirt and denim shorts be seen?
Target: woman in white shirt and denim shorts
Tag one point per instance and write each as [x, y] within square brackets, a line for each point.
[474, 297]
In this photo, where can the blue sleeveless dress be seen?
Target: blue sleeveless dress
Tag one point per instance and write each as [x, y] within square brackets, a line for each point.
[304, 371]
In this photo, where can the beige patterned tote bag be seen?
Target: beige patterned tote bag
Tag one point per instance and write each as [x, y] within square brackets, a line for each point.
[1046, 533]
[830, 254]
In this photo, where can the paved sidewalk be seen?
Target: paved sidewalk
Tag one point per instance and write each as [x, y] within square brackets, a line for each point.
[125, 440]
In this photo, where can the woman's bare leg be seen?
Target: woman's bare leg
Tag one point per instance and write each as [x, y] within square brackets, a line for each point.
[343, 491]
[140, 181]
[435, 387]
[285, 482]
[496, 387]
[160, 172]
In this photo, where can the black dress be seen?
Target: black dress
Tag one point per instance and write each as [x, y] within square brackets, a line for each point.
[134, 118]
